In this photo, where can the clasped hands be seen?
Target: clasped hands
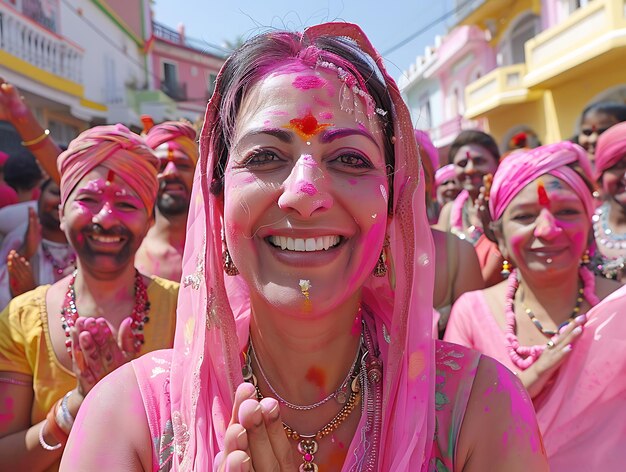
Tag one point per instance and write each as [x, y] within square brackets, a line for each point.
[96, 350]
[255, 439]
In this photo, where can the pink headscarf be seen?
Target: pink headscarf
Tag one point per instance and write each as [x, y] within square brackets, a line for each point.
[176, 134]
[443, 174]
[520, 169]
[611, 148]
[116, 148]
[214, 311]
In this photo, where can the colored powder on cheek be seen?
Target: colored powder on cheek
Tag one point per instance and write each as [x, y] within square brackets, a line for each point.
[326, 115]
[352, 181]
[542, 195]
[308, 188]
[307, 82]
[317, 377]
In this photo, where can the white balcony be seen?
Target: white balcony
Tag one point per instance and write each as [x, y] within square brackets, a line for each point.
[26, 40]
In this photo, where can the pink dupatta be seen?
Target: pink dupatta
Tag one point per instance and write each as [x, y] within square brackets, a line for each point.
[213, 311]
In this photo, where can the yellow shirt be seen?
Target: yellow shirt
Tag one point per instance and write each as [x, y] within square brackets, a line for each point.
[26, 348]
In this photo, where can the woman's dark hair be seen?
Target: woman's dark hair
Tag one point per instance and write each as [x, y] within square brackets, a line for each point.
[260, 56]
[614, 109]
[471, 136]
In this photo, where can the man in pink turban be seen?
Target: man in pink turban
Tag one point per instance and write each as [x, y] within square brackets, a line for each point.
[174, 143]
[57, 341]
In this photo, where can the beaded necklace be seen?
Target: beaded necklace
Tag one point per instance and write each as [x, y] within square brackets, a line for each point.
[525, 356]
[69, 313]
[603, 232]
[59, 267]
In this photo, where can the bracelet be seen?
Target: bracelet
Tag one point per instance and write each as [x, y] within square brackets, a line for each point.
[63, 417]
[53, 427]
[43, 442]
[38, 139]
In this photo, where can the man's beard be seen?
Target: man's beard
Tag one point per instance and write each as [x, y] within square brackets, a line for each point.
[172, 204]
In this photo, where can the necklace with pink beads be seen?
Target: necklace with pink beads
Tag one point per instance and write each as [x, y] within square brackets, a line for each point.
[69, 313]
[525, 356]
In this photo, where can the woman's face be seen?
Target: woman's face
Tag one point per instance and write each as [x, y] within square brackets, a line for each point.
[593, 125]
[447, 191]
[305, 194]
[471, 163]
[545, 227]
[614, 182]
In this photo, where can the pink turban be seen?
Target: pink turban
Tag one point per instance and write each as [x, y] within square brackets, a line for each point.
[521, 168]
[611, 148]
[443, 174]
[119, 150]
[178, 133]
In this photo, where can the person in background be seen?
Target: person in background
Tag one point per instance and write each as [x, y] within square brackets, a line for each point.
[303, 337]
[552, 322]
[174, 143]
[8, 196]
[446, 186]
[595, 120]
[609, 219]
[475, 156]
[37, 252]
[58, 341]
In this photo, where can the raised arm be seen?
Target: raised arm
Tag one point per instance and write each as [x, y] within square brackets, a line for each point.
[499, 431]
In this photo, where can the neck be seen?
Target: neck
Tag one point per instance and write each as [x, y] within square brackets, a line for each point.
[305, 360]
[171, 229]
[556, 297]
[617, 216]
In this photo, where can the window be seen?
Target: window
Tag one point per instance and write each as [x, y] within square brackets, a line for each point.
[524, 30]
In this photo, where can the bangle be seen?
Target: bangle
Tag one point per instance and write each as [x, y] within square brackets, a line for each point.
[38, 139]
[43, 442]
[53, 427]
[63, 417]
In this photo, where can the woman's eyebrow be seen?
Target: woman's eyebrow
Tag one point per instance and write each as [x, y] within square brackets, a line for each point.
[332, 134]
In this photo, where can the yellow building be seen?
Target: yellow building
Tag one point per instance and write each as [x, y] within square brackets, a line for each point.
[578, 58]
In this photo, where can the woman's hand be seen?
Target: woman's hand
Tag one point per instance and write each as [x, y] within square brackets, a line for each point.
[255, 439]
[12, 106]
[96, 352]
[536, 377]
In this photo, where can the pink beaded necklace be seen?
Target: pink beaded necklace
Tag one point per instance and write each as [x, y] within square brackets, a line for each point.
[69, 313]
[524, 356]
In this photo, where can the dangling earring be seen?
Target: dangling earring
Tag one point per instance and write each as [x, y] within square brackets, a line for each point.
[229, 265]
[380, 270]
[585, 259]
[506, 269]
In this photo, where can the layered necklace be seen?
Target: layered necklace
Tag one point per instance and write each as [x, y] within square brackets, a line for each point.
[524, 356]
[603, 232]
[365, 374]
[139, 316]
[61, 266]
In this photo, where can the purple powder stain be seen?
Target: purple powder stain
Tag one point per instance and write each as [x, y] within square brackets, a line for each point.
[326, 115]
[308, 188]
[307, 82]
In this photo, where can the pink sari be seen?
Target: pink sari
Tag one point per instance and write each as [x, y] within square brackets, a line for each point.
[214, 311]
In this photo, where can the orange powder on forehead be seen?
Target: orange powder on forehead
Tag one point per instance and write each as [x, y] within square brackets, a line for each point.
[307, 126]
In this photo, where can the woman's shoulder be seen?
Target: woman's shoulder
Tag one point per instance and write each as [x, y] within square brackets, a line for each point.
[27, 308]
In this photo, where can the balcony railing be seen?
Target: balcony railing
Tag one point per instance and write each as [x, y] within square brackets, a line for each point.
[174, 90]
[500, 86]
[30, 42]
[588, 33]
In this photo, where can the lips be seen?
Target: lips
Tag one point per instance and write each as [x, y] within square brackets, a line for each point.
[321, 243]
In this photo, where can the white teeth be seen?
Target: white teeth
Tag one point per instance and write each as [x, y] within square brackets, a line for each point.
[106, 239]
[305, 245]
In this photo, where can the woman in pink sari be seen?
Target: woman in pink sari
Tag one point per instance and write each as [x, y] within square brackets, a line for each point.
[552, 322]
[303, 337]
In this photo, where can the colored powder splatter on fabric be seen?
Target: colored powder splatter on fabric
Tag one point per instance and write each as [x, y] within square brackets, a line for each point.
[317, 377]
[544, 200]
[416, 364]
[307, 126]
[307, 82]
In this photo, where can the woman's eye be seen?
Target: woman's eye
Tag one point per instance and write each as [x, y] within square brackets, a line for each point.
[524, 217]
[354, 160]
[568, 212]
[261, 157]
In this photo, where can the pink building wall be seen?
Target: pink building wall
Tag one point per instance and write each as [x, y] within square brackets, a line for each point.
[130, 12]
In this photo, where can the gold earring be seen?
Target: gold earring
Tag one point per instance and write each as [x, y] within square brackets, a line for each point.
[506, 268]
[380, 270]
[585, 259]
[229, 265]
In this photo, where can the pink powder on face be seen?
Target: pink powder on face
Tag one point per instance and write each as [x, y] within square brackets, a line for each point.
[352, 181]
[320, 102]
[276, 113]
[326, 115]
[307, 82]
[308, 188]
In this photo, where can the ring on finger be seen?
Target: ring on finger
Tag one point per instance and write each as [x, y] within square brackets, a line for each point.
[550, 344]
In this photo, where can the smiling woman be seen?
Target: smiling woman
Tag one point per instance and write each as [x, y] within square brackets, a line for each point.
[552, 322]
[305, 319]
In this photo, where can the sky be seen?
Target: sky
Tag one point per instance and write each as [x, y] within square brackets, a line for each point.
[386, 22]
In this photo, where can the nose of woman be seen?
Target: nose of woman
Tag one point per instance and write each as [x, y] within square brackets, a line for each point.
[547, 226]
[305, 189]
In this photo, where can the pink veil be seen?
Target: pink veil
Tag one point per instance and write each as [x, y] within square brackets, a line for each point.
[213, 310]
